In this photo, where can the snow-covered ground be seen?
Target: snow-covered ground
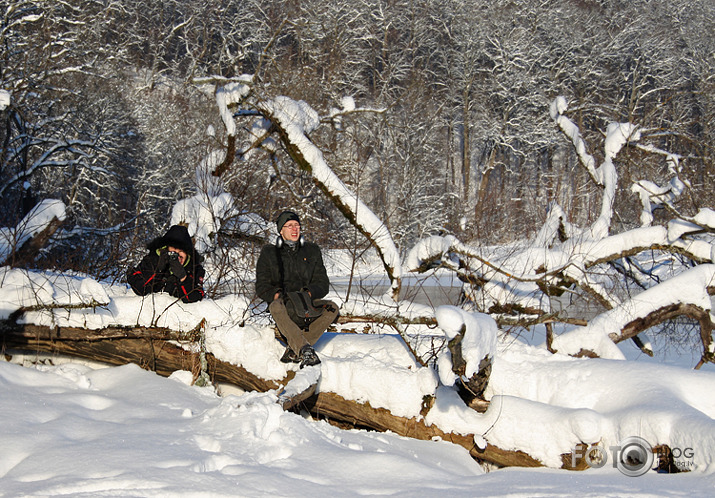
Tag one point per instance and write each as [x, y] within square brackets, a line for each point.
[71, 428]
[123, 431]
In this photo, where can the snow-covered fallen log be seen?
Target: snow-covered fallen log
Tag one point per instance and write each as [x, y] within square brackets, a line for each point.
[375, 376]
[334, 406]
[148, 348]
[538, 407]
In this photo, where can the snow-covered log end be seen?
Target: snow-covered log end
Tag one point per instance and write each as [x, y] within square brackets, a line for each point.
[479, 341]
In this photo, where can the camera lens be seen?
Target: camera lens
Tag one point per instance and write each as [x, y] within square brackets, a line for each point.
[635, 457]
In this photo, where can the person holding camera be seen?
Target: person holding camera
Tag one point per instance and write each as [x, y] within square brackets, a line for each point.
[172, 265]
[291, 278]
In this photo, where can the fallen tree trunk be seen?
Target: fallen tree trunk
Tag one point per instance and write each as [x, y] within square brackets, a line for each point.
[336, 407]
[151, 348]
[156, 349]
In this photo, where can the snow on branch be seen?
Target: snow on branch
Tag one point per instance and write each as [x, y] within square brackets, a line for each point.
[518, 279]
[4, 99]
[335, 116]
[294, 121]
[558, 107]
[81, 150]
[226, 95]
[703, 221]
[652, 195]
[477, 336]
[617, 135]
[692, 287]
[35, 222]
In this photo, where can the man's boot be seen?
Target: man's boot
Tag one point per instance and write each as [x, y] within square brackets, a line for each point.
[308, 357]
[290, 356]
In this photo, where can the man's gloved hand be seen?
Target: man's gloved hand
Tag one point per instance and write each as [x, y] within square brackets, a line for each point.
[176, 268]
[163, 260]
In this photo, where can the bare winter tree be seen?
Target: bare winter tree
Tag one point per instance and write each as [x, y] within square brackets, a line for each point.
[465, 90]
[519, 285]
[56, 140]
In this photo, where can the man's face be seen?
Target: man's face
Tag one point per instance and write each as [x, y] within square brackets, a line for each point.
[182, 254]
[291, 231]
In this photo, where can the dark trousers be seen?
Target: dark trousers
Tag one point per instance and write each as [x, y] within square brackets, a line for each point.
[294, 335]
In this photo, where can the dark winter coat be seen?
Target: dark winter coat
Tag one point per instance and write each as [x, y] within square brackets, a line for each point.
[153, 273]
[302, 268]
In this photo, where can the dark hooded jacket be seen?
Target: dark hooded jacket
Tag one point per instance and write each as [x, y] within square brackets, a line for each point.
[287, 269]
[153, 273]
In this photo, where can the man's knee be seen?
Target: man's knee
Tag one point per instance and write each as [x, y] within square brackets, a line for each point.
[324, 303]
[279, 313]
[330, 308]
[276, 304]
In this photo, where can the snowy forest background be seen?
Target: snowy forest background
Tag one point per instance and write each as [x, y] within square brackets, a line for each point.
[104, 116]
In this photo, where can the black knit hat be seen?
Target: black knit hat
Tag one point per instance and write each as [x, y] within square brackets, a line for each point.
[177, 236]
[285, 217]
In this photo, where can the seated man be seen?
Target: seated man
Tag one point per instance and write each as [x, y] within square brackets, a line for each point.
[172, 265]
[292, 264]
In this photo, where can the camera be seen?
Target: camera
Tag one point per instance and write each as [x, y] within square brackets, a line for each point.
[173, 256]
